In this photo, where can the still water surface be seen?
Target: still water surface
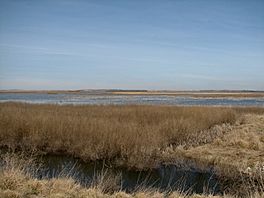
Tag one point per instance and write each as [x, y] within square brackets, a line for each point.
[164, 177]
[125, 99]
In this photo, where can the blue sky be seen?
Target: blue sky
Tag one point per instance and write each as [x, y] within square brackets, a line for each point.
[139, 44]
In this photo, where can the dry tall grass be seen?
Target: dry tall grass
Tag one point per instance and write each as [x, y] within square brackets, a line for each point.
[132, 134]
[237, 156]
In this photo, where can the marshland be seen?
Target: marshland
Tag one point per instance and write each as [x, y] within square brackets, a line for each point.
[122, 99]
[226, 143]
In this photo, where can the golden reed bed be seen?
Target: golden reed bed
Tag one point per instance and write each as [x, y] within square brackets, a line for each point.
[130, 134]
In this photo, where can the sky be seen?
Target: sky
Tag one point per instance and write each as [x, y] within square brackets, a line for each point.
[139, 44]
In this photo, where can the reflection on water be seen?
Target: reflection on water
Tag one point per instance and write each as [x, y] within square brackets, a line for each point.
[164, 177]
[123, 99]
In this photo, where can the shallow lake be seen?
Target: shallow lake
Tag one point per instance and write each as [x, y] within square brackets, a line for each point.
[125, 99]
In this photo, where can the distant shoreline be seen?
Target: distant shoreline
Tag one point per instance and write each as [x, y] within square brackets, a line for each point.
[202, 93]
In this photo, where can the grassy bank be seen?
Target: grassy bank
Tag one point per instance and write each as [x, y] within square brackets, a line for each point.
[133, 135]
[16, 181]
[236, 156]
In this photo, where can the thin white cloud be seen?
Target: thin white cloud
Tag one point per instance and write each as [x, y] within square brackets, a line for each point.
[42, 50]
[37, 84]
[203, 77]
[56, 51]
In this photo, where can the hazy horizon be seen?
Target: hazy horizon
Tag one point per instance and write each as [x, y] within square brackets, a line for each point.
[117, 89]
[146, 45]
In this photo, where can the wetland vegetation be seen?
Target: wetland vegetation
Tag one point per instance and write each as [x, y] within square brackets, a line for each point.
[228, 140]
[133, 135]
